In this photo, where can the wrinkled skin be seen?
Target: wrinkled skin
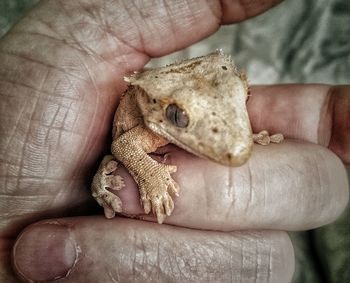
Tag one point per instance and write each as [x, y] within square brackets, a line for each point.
[60, 81]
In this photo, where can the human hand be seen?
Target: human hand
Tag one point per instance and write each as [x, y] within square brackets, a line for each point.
[61, 77]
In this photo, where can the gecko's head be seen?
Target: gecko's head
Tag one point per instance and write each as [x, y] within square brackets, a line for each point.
[199, 105]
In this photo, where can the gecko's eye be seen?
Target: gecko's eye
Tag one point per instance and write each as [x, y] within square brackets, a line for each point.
[177, 116]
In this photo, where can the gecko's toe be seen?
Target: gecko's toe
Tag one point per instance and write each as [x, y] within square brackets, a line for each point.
[108, 164]
[110, 202]
[146, 203]
[262, 138]
[277, 138]
[116, 204]
[169, 206]
[111, 166]
[160, 214]
[114, 182]
[161, 218]
[174, 188]
[171, 168]
[162, 206]
[158, 208]
[109, 213]
[156, 205]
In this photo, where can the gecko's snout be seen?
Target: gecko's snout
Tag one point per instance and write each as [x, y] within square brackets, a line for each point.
[237, 155]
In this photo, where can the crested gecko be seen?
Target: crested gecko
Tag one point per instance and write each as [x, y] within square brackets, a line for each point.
[198, 104]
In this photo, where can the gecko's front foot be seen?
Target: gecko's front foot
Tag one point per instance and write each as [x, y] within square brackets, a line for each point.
[156, 191]
[264, 138]
[103, 181]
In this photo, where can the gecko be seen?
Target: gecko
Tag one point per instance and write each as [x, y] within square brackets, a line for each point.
[199, 105]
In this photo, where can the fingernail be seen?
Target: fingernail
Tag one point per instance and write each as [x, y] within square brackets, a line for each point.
[44, 252]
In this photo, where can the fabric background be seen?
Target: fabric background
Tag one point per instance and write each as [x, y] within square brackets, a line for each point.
[299, 41]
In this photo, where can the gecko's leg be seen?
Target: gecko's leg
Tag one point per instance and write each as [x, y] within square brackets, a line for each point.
[104, 180]
[154, 180]
[264, 138]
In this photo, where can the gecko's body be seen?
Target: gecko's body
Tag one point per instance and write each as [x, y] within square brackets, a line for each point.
[199, 105]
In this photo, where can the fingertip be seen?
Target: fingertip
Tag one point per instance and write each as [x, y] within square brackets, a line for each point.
[293, 110]
[44, 253]
[237, 11]
[339, 111]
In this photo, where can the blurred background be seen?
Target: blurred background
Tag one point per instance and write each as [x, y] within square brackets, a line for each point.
[299, 41]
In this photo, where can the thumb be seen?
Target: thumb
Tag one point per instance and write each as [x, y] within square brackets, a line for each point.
[93, 249]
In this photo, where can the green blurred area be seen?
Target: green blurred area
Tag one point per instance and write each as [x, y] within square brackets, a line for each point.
[11, 11]
[305, 41]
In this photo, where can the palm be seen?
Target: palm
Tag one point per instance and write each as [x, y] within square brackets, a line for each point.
[63, 126]
[66, 135]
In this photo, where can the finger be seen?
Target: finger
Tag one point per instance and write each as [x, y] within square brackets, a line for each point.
[143, 33]
[288, 186]
[315, 113]
[131, 250]
[121, 31]
[236, 11]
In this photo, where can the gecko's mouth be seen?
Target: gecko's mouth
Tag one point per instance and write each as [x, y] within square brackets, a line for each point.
[233, 155]
[155, 128]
